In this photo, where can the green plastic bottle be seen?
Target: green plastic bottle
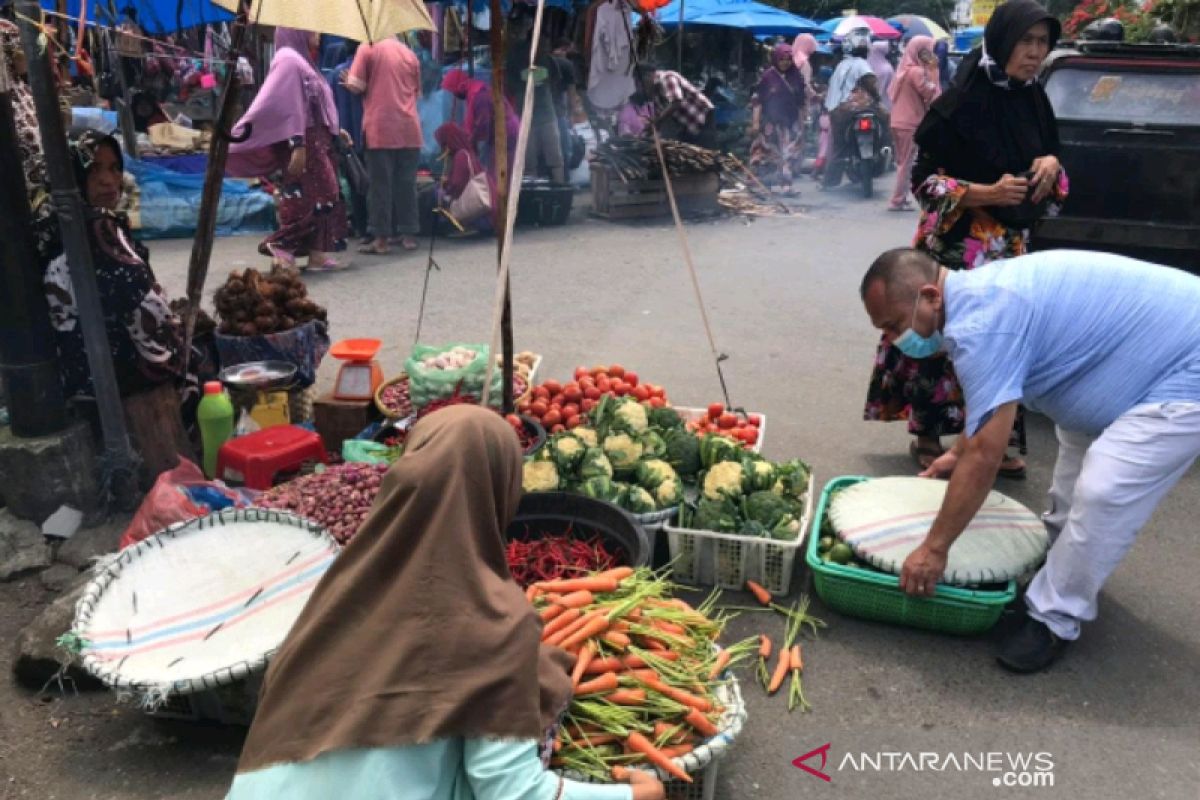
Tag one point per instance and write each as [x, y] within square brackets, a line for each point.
[215, 416]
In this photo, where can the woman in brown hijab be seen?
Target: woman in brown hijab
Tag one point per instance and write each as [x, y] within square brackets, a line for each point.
[416, 670]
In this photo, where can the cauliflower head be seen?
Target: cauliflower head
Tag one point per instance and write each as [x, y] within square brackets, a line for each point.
[668, 493]
[587, 436]
[724, 480]
[652, 472]
[539, 476]
[632, 417]
[623, 451]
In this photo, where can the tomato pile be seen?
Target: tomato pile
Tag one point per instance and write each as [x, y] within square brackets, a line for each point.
[554, 557]
[563, 406]
[726, 423]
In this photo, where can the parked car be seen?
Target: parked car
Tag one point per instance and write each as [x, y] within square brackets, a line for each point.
[1129, 121]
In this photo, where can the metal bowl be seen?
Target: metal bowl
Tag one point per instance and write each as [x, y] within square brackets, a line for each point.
[260, 376]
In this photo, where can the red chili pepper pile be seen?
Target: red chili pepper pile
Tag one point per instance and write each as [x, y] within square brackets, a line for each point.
[554, 557]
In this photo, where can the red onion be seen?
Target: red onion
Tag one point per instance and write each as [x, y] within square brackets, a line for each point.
[338, 498]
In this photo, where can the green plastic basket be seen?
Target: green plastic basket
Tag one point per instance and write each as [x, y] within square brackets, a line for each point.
[868, 594]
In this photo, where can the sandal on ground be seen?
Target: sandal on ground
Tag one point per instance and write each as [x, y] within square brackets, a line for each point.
[371, 250]
[282, 258]
[328, 265]
[1009, 468]
[905, 206]
[408, 243]
[924, 455]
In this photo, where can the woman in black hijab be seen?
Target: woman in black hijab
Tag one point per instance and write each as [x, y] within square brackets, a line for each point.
[988, 170]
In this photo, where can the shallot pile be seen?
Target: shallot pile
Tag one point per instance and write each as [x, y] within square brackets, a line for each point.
[338, 498]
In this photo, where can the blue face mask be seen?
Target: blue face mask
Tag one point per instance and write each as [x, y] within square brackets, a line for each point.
[914, 345]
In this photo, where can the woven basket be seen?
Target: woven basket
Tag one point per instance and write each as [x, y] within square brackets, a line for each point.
[201, 604]
[384, 409]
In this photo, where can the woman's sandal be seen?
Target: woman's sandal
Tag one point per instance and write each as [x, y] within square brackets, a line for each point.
[1011, 472]
[328, 265]
[372, 250]
[920, 453]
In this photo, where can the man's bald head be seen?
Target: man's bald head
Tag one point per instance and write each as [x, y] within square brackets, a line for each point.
[903, 271]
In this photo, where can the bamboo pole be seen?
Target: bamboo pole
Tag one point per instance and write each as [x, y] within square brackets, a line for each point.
[218, 151]
[500, 126]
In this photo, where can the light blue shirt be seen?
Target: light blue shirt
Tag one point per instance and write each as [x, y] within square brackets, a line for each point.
[841, 83]
[451, 769]
[1078, 336]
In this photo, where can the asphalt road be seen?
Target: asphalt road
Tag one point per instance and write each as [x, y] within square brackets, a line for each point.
[1119, 716]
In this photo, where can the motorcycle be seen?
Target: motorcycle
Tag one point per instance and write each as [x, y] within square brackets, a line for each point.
[866, 155]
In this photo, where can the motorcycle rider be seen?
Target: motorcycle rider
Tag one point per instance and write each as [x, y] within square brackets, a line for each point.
[865, 96]
[856, 47]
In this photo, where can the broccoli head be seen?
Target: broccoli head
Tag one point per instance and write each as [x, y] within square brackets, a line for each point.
[683, 452]
[539, 476]
[786, 529]
[623, 451]
[716, 515]
[766, 508]
[665, 419]
[725, 479]
[792, 478]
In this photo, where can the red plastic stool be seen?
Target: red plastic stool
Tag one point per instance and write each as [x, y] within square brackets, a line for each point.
[260, 456]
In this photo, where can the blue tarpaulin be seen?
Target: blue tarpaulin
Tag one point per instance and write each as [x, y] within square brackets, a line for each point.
[170, 203]
[746, 15]
[156, 17]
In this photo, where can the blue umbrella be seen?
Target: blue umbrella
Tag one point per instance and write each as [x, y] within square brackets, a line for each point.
[747, 15]
[156, 17]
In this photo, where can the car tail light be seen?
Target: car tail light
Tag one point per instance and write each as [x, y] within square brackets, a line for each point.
[865, 124]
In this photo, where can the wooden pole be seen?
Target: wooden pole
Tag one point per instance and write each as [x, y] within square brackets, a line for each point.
[500, 125]
[218, 151]
[119, 459]
[679, 39]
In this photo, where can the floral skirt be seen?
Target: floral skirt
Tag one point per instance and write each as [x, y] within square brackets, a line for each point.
[776, 154]
[312, 213]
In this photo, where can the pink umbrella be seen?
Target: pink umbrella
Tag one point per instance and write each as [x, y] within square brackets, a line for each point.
[879, 28]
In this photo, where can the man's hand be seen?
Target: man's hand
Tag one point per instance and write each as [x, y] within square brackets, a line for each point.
[346, 138]
[942, 466]
[298, 162]
[1045, 175]
[646, 786]
[922, 570]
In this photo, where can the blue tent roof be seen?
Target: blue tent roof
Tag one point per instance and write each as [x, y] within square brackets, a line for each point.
[746, 15]
[155, 16]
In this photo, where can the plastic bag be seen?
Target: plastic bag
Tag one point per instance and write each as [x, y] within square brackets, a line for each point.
[428, 384]
[181, 494]
[364, 451]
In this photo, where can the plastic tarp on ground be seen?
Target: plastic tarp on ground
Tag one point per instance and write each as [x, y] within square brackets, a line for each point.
[154, 16]
[747, 15]
[170, 204]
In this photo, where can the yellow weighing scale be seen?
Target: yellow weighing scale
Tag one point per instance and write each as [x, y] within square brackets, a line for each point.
[261, 388]
[360, 376]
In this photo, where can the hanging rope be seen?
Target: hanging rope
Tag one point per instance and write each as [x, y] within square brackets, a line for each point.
[430, 266]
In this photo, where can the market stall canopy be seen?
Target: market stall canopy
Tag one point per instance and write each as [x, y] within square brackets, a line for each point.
[360, 20]
[156, 17]
[758, 18]
[916, 25]
[879, 28]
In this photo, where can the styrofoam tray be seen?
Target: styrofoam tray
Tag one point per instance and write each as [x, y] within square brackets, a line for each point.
[690, 414]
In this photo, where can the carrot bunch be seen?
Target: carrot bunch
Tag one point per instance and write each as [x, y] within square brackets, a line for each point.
[789, 660]
[646, 670]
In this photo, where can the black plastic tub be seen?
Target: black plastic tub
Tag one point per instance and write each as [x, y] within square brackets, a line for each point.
[536, 432]
[556, 513]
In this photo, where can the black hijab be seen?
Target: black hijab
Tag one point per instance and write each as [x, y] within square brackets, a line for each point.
[986, 124]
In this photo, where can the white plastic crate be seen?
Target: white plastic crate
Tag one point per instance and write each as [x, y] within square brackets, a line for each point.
[690, 414]
[728, 560]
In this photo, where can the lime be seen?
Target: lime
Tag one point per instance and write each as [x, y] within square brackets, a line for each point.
[841, 553]
[825, 543]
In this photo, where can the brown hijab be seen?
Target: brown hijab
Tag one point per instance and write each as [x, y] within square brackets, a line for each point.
[417, 632]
